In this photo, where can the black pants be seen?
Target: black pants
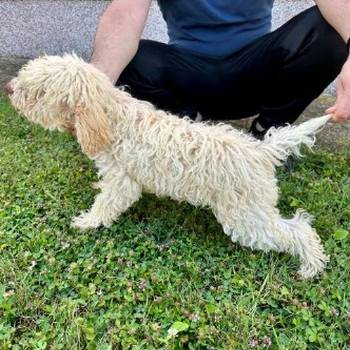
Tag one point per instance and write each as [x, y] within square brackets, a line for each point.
[276, 76]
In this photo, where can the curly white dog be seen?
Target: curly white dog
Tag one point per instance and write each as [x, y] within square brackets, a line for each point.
[138, 148]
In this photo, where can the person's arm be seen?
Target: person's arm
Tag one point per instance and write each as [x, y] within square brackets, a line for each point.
[337, 14]
[118, 35]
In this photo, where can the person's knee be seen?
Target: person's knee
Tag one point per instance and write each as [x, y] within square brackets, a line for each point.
[330, 46]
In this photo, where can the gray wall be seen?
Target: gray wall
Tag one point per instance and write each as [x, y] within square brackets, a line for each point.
[32, 27]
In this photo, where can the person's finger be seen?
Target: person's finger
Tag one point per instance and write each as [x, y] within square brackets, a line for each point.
[331, 110]
[336, 110]
[340, 117]
[334, 118]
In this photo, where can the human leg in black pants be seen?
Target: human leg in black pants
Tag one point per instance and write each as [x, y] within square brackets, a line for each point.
[276, 76]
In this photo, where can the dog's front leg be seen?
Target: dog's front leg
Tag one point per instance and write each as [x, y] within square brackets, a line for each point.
[118, 193]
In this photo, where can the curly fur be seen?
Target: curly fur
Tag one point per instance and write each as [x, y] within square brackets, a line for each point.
[138, 148]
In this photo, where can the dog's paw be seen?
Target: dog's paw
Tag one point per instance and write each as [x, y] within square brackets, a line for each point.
[95, 185]
[86, 221]
[313, 268]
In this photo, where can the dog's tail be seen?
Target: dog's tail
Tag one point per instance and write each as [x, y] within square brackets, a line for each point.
[283, 142]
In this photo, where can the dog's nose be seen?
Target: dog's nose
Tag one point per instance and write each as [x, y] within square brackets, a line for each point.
[9, 89]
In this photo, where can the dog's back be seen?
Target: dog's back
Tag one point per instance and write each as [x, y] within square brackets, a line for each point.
[174, 157]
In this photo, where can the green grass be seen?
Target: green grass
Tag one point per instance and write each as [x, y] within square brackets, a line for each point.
[162, 265]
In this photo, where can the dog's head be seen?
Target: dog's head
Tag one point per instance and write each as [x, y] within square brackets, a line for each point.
[66, 94]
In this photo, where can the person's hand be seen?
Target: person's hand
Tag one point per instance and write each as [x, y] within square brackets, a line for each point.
[341, 110]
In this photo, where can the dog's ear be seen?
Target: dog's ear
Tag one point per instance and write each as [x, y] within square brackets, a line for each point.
[93, 129]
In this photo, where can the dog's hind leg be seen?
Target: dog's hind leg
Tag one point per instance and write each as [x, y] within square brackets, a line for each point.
[297, 237]
[269, 231]
[118, 193]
